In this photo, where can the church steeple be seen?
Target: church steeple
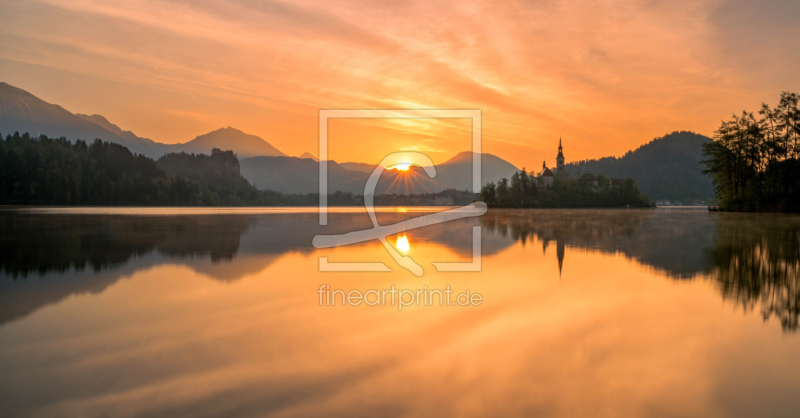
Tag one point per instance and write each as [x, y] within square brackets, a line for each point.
[560, 170]
[560, 149]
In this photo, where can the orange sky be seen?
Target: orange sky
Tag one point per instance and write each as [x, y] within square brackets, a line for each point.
[606, 75]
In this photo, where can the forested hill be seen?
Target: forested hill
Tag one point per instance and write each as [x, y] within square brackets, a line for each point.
[216, 175]
[665, 168]
[50, 171]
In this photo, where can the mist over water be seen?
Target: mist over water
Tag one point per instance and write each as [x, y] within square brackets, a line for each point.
[179, 312]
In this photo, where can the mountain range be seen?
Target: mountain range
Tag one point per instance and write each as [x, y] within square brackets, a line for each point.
[23, 112]
[261, 163]
[301, 175]
[665, 168]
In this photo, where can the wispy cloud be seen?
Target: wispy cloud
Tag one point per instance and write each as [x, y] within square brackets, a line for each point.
[606, 75]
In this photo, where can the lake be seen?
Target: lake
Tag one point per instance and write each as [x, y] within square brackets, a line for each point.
[165, 312]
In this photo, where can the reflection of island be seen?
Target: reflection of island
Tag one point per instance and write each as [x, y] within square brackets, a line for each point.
[754, 259]
[669, 242]
[45, 258]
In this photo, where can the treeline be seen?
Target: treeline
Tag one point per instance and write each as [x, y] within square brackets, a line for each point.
[753, 161]
[58, 172]
[50, 171]
[526, 191]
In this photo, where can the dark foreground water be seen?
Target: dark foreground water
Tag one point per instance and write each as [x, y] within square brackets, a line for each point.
[216, 313]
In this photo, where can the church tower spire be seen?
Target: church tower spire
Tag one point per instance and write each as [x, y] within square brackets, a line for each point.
[560, 170]
[560, 148]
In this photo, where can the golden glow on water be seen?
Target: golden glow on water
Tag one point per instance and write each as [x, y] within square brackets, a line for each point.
[605, 336]
[580, 346]
[402, 244]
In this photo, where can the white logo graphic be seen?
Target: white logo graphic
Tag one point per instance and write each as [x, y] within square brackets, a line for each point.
[380, 232]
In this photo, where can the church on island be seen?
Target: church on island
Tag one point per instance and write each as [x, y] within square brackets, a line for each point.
[562, 186]
[545, 177]
[544, 180]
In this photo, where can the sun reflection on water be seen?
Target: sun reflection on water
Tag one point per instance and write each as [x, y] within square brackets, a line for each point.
[620, 281]
[402, 244]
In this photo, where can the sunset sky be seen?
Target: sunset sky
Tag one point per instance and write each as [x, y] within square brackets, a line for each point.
[607, 76]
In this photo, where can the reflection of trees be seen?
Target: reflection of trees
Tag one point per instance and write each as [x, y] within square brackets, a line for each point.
[755, 259]
[54, 243]
[59, 248]
[757, 263]
[563, 227]
[578, 225]
[670, 242]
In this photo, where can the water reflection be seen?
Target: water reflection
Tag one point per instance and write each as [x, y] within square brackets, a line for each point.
[218, 316]
[46, 244]
[44, 258]
[753, 258]
[402, 244]
[757, 265]
[670, 242]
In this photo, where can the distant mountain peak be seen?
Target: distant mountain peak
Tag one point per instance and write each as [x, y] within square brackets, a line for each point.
[243, 144]
[309, 155]
[8, 88]
[228, 129]
[21, 111]
[466, 157]
[99, 118]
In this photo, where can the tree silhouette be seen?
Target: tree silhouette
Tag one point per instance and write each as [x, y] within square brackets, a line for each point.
[753, 162]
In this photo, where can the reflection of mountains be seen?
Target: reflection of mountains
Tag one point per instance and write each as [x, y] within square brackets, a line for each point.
[670, 242]
[58, 249]
[61, 243]
[754, 259]
[45, 258]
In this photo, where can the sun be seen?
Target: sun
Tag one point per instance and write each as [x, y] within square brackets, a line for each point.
[402, 166]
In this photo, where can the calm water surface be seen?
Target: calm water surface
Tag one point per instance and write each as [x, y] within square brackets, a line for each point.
[215, 313]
